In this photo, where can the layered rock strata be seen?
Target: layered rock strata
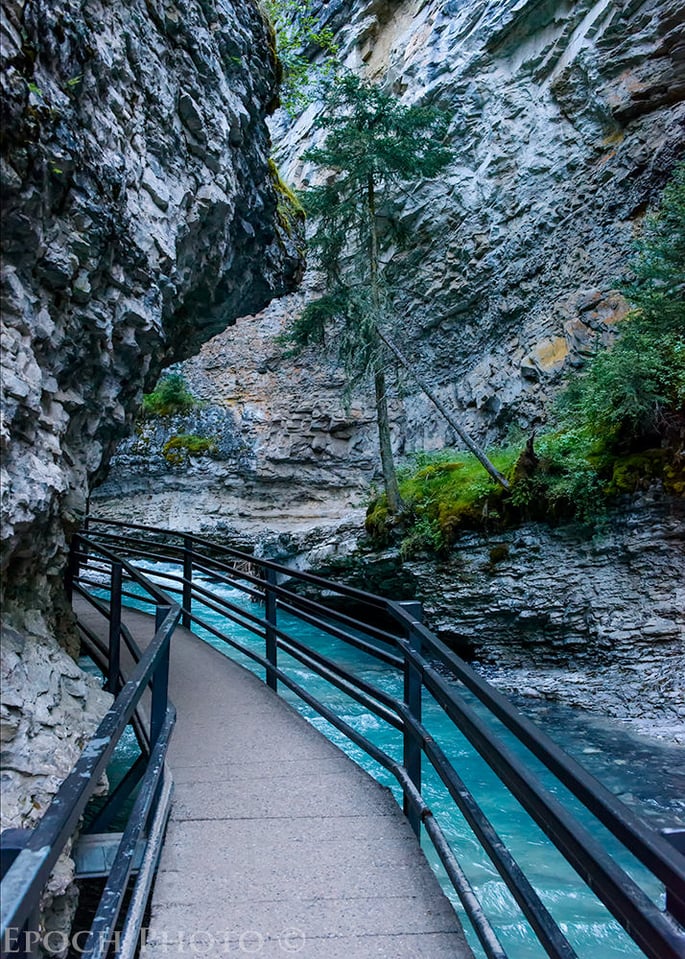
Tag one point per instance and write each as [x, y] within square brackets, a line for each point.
[597, 621]
[280, 433]
[139, 219]
[567, 120]
[591, 618]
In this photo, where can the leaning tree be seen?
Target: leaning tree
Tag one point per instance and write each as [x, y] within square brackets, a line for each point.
[372, 147]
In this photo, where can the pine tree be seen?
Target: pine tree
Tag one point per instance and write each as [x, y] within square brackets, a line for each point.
[372, 145]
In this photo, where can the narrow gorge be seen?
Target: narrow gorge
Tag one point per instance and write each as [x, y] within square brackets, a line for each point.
[566, 122]
[152, 165]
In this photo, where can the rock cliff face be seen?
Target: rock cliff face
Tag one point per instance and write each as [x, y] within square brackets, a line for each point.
[596, 622]
[139, 219]
[591, 618]
[282, 458]
[567, 120]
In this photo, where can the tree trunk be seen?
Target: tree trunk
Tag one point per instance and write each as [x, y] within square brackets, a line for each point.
[465, 438]
[392, 490]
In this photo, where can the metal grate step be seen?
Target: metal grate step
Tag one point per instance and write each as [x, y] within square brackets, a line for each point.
[94, 854]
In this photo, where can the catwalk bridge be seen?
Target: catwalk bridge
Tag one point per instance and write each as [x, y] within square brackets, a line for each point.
[248, 830]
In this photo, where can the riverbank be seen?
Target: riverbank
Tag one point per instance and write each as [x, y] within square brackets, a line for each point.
[590, 618]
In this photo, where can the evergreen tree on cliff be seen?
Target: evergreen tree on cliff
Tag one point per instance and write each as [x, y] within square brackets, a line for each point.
[373, 145]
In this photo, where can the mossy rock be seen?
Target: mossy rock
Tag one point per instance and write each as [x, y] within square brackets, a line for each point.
[436, 470]
[178, 449]
[377, 522]
[289, 210]
[674, 475]
[639, 471]
[171, 395]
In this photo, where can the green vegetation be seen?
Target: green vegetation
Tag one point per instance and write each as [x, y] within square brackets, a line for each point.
[290, 211]
[632, 396]
[171, 395]
[443, 493]
[566, 480]
[178, 449]
[619, 426]
[297, 34]
[372, 145]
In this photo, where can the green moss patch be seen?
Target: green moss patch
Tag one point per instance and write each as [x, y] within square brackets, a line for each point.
[289, 210]
[641, 470]
[178, 449]
[171, 395]
[443, 494]
[566, 476]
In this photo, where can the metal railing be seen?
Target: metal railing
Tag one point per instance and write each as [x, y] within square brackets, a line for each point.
[29, 856]
[393, 635]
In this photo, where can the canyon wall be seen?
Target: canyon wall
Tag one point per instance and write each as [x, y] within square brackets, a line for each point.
[567, 118]
[596, 621]
[139, 219]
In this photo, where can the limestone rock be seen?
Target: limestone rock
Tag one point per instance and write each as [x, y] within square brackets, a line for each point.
[563, 132]
[593, 621]
[128, 238]
[139, 219]
[567, 121]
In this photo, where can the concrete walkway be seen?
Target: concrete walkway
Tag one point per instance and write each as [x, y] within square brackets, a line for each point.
[278, 844]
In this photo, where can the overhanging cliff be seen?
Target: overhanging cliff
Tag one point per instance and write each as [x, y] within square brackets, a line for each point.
[139, 219]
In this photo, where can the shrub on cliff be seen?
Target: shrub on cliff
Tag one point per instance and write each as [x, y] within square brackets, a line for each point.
[171, 395]
[570, 477]
[632, 395]
[178, 449]
[620, 429]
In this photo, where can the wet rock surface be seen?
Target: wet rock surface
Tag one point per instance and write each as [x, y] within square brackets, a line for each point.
[594, 620]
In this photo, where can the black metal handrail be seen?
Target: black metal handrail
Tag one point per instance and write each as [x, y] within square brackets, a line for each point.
[25, 879]
[424, 660]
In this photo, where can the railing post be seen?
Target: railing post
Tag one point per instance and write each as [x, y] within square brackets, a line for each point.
[187, 581]
[413, 701]
[84, 547]
[114, 653]
[675, 899]
[271, 642]
[160, 681]
[18, 943]
[72, 567]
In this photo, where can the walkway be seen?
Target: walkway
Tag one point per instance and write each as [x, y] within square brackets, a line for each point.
[278, 844]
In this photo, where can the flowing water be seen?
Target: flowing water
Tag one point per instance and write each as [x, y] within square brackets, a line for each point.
[647, 775]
